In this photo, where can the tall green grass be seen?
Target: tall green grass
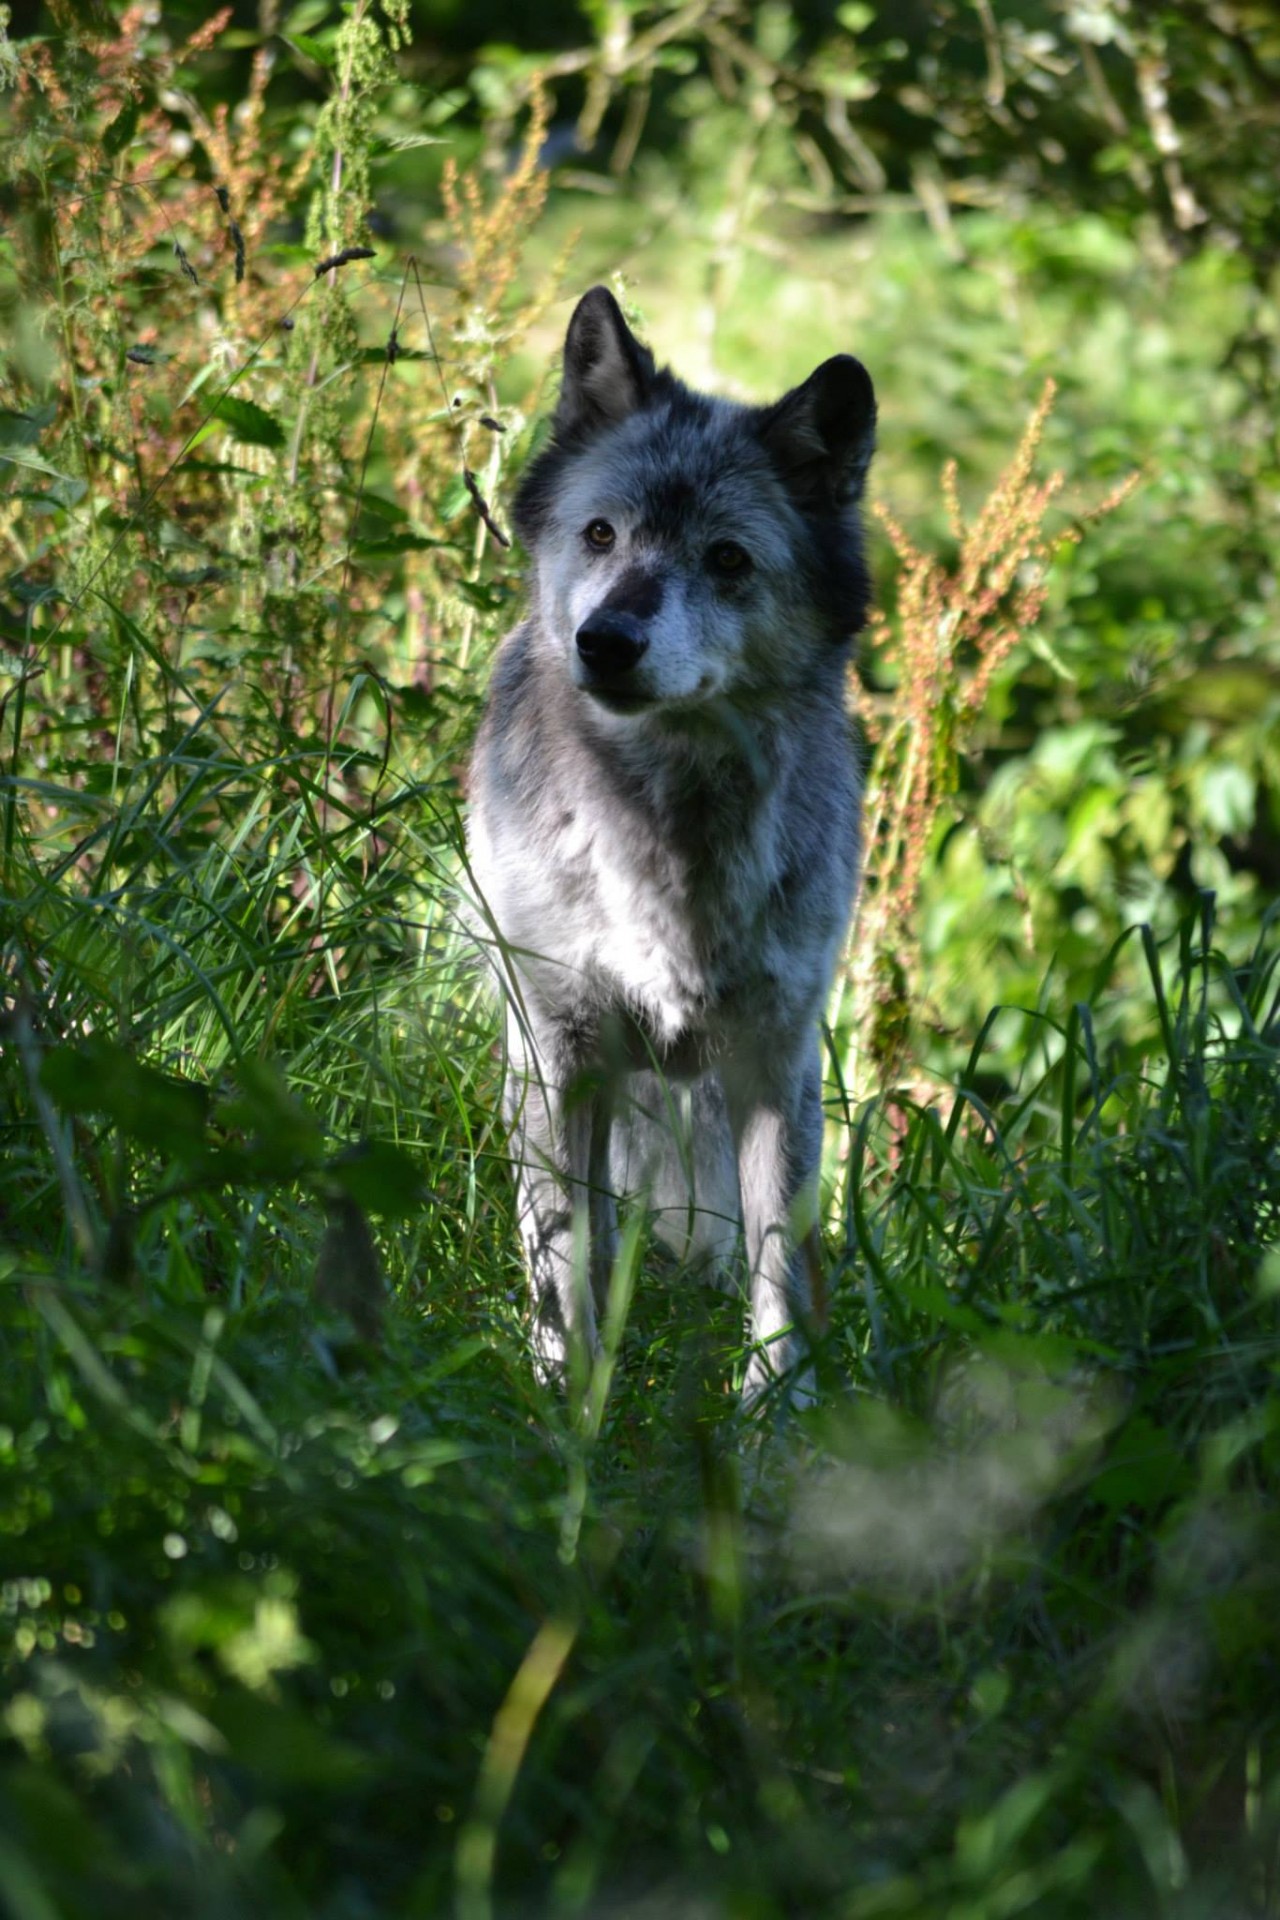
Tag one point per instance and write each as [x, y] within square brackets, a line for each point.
[315, 1603]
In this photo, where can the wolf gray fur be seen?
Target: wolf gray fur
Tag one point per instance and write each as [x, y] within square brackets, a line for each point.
[664, 820]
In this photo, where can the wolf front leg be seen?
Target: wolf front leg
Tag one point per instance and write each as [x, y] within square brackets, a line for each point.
[775, 1106]
[565, 1209]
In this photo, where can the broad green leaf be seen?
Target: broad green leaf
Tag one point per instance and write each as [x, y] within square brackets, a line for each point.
[318, 52]
[100, 1076]
[122, 129]
[249, 422]
[379, 1177]
[266, 1106]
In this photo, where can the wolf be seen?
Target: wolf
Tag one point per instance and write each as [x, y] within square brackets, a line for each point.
[664, 823]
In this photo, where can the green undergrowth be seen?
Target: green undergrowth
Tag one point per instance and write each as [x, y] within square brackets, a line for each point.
[314, 1603]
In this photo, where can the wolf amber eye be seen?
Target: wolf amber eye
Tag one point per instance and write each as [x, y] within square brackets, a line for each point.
[728, 558]
[600, 535]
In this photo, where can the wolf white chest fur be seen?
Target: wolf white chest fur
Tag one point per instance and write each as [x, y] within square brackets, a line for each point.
[665, 801]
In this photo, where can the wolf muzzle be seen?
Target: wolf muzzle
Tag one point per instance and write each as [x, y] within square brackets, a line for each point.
[611, 645]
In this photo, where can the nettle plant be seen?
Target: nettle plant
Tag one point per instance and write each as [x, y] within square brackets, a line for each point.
[249, 532]
[272, 452]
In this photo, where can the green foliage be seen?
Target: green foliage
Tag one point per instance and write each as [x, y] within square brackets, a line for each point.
[311, 1601]
[338, 1625]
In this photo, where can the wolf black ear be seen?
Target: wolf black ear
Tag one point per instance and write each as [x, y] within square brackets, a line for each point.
[823, 434]
[607, 372]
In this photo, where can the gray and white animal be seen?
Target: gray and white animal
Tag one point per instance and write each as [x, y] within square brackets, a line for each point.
[664, 821]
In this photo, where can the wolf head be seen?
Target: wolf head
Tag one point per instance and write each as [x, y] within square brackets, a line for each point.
[689, 550]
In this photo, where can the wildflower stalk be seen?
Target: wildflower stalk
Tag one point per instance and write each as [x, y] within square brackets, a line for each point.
[335, 190]
[952, 631]
[73, 375]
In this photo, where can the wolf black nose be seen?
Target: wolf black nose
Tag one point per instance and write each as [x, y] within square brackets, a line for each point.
[610, 643]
